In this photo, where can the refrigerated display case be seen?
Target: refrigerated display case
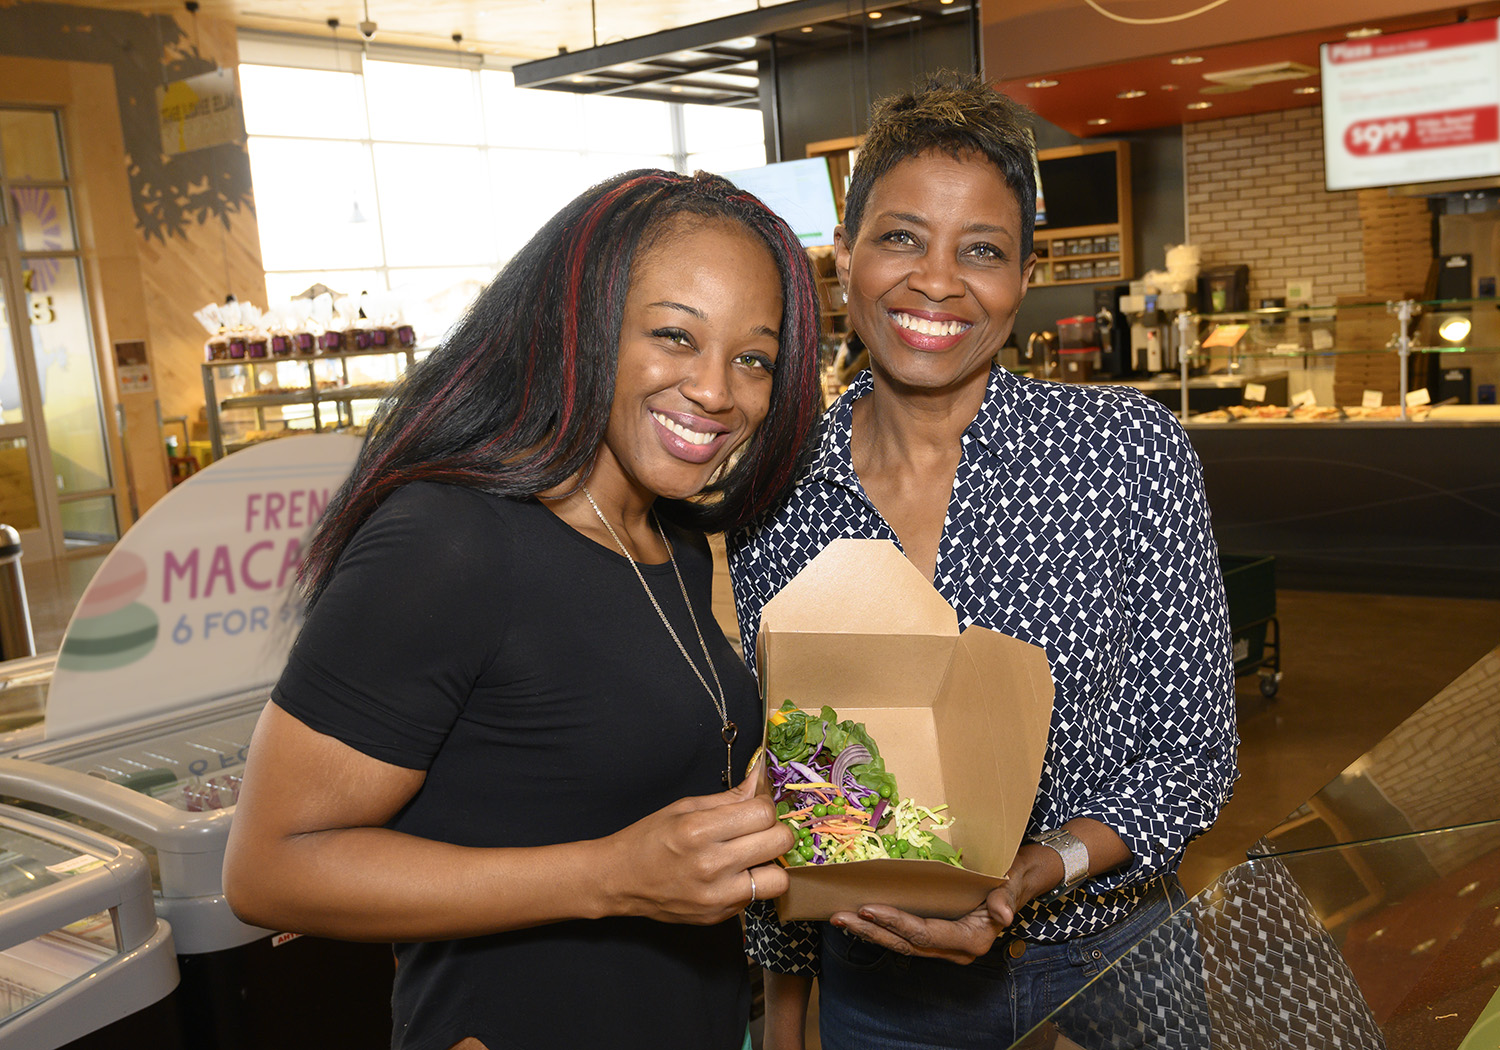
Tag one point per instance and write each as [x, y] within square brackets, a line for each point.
[82, 951]
[149, 711]
[168, 786]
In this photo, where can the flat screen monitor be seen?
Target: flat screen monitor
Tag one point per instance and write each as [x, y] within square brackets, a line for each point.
[1422, 106]
[800, 191]
[1081, 191]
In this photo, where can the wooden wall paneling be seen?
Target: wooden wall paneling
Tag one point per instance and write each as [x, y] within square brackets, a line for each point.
[166, 235]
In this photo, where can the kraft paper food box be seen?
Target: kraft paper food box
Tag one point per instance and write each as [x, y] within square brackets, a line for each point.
[961, 719]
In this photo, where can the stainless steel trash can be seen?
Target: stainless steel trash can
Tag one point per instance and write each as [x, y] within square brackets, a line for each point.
[16, 639]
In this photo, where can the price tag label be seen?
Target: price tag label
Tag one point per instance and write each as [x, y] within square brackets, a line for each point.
[1372, 399]
[1419, 396]
[1322, 339]
[1255, 392]
[1306, 397]
[75, 864]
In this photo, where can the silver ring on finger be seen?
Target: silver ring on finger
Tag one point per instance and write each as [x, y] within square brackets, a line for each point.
[752, 885]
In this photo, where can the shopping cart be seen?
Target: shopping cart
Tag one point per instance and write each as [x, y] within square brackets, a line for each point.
[1250, 592]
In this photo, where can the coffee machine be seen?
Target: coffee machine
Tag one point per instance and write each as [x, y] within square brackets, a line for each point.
[1115, 359]
[1153, 337]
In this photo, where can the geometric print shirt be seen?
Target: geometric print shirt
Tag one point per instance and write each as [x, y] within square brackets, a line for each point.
[1077, 523]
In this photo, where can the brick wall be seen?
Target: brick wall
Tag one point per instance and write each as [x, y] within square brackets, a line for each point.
[1255, 195]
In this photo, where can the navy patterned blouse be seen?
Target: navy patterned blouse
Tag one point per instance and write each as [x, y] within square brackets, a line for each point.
[1077, 523]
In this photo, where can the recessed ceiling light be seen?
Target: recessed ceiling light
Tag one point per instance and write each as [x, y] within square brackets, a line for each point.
[1200, 105]
[1186, 60]
[1099, 122]
[1305, 91]
[1358, 34]
[945, 3]
[1041, 83]
[1131, 94]
[807, 29]
[577, 80]
[676, 90]
[876, 14]
[741, 43]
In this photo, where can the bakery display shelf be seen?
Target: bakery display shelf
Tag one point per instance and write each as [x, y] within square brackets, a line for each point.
[270, 400]
[319, 392]
[357, 392]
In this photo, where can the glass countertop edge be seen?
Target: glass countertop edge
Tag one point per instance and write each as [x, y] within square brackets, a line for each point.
[1035, 1038]
[1323, 309]
[1373, 840]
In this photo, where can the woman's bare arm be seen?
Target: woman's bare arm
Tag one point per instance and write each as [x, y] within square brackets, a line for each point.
[308, 852]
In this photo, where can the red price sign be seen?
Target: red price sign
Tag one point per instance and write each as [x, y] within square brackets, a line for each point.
[1458, 127]
[1370, 137]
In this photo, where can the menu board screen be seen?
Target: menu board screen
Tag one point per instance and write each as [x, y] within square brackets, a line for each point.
[1412, 107]
[800, 191]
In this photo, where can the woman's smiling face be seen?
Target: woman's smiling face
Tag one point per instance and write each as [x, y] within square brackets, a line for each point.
[934, 277]
[698, 347]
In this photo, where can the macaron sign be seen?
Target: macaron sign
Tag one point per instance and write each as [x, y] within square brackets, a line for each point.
[198, 601]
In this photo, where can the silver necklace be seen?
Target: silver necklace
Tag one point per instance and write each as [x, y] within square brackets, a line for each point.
[728, 730]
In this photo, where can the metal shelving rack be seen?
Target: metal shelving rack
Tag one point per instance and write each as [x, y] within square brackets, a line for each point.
[318, 393]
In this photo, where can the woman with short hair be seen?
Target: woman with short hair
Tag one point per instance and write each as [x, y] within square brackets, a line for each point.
[1068, 516]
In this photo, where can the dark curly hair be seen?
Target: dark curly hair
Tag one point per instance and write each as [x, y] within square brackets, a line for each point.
[516, 399]
[954, 113]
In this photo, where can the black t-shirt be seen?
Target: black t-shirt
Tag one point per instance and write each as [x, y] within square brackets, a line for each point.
[520, 664]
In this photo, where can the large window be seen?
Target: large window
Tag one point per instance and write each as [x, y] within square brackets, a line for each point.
[424, 179]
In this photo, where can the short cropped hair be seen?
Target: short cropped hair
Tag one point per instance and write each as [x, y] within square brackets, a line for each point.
[956, 114]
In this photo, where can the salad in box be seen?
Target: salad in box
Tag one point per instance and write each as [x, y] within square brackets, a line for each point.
[960, 719]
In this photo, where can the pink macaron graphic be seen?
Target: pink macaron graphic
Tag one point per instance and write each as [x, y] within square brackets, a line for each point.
[111, 629]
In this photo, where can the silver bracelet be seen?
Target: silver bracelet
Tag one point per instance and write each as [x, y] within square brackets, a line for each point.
[1075, 858]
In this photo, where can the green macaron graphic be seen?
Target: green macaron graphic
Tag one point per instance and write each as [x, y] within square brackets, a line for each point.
[111, 629]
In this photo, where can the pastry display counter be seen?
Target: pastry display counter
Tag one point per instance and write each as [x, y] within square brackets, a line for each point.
[1350, 362]
[1376, 469]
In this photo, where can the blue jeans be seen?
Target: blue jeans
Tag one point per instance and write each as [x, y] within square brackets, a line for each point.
[873, 999]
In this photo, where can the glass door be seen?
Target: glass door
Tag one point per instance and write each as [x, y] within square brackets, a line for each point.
[24, 503]
[49, 388]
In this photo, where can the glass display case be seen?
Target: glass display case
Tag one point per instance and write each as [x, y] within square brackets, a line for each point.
[256, 399]
[1387, 944]
[1365, 361]
[80, 946]
[1437, 769]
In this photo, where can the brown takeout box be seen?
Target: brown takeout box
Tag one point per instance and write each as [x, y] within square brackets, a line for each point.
[960, 719]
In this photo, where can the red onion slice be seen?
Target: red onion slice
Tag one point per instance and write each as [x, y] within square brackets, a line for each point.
[852, 755]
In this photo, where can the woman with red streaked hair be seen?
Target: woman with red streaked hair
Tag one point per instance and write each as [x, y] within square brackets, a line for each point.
[510, 735]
